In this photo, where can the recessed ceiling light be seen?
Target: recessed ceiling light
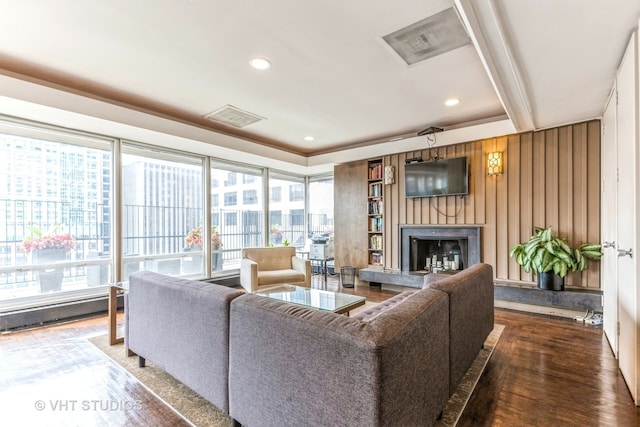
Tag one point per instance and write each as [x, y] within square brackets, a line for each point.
[451, 102]
[308, 138]
[260, 63]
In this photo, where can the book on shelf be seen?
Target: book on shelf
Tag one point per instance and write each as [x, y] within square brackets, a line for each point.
[376, 224]
[375, 242]
[375, 207]
[375, 171]
[375, 258]
[375, 189]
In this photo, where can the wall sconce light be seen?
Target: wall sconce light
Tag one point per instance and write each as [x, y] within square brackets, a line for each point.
[494, 163]
[389, 175]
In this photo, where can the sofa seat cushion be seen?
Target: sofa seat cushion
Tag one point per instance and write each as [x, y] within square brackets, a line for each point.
[279, 276]
[373, 312]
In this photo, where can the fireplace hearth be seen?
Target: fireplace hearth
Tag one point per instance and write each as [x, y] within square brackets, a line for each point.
[438, 243]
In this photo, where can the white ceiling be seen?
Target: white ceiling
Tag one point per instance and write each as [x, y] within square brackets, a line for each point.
[165, 64]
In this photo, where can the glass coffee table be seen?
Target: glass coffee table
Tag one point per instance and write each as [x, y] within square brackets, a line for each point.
[314, 298]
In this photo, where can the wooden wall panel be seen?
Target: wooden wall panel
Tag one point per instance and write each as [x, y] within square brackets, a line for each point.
[514, 201]
[551, 178]
[392, 199]
[350, 222]
[565, 190]
[538, 178]
[593, 198]
[524, 168]
[502, 216]
[478, 172]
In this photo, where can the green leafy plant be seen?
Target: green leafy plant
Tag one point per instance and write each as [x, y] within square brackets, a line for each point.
[588, 251]
[50, 240]
[545, 252]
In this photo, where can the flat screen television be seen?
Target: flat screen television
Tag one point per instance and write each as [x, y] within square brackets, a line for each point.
[442, 177]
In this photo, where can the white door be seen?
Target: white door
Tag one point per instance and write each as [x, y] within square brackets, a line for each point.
[627, 118]
[608, 218]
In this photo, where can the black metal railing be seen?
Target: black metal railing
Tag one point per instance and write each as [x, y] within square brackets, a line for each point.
[150, 234]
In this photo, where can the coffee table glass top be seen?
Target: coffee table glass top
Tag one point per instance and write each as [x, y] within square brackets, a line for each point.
[315, 298]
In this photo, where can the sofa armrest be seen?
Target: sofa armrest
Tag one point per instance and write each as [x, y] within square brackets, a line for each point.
[432, 278]
[172, 320]
[249, 275]
[303, 266]
[471, 311]
[292, 365]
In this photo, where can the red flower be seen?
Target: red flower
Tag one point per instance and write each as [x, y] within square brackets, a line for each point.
[52, 240]
[194, 238]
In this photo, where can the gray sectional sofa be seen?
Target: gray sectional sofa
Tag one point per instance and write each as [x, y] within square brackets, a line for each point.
[182, 326]
[470, 314]
[272, 363]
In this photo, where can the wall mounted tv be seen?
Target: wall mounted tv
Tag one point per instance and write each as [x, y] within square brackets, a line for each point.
[442, 177]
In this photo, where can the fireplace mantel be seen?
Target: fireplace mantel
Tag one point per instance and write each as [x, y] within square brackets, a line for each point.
[435, 232]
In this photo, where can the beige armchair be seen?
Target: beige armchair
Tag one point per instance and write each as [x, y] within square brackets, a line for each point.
[265, 267]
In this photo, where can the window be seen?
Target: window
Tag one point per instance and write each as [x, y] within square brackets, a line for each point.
[231, 199]
[230, 218]
[162, 208]
[275, 194]
[51, 171]
[282, 226]
[320, 196]
[242, 226]
[296, 192]
[250, 197]
[62, 181]
[231, 179]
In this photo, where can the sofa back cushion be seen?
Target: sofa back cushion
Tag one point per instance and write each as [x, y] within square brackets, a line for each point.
[276, 258]
[293, 365]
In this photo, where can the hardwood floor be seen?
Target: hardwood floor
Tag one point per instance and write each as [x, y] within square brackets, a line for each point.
[545, 371]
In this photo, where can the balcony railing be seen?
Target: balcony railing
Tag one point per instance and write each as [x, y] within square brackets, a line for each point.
[153, 239]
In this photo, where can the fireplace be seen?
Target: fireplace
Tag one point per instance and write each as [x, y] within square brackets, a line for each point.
[418, 242]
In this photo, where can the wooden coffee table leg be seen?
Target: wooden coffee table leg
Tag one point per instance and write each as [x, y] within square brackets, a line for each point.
[113, 316]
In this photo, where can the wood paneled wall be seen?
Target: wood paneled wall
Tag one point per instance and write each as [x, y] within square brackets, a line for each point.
[551, 178]
[350, 219]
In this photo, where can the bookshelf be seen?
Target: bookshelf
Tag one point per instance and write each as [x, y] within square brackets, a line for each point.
[375, 208]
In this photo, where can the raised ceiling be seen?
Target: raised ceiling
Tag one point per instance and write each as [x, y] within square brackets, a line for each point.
[536, 63]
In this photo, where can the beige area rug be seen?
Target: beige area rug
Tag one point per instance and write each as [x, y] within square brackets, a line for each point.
[456, 403]
[200, 412]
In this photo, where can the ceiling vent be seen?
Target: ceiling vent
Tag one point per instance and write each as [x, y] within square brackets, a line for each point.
[232, 116]
[432, 36]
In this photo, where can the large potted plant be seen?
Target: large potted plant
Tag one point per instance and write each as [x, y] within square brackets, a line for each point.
[193, 241]
[550, 257]
[48, 248]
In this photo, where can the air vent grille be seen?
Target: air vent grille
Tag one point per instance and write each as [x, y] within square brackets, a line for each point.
[233, 116]
[432, 36]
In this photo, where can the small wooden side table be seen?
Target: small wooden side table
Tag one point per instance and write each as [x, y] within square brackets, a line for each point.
[114, 290]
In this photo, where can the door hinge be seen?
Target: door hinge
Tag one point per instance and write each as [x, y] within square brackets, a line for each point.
[618, 327]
